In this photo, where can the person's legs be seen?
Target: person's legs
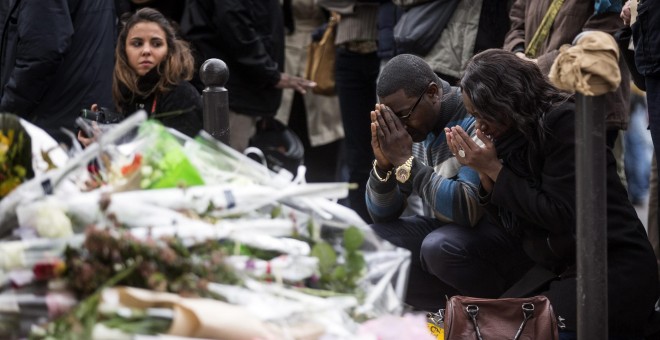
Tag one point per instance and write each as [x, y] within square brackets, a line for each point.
[479, 261]
[241, 128]
[618, 151]
[653, 107]
[356, 76]
[447, 259]
[321, 161]
[653, 226]
[638, 152]
[425, 291]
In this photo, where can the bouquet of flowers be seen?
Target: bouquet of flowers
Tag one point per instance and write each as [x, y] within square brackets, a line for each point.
[195, 219]
[15, 154]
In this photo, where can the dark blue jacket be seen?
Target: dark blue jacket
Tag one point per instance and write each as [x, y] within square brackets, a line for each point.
[388, 15]
[56, 58]
[248, 35]
[646, 34]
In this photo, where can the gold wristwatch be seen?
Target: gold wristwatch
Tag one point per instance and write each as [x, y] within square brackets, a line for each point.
[403, 171]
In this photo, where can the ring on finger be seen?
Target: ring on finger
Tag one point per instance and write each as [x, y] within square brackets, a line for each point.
[461, 153]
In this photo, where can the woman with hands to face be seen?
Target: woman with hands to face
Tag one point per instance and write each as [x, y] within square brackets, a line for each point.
[483, 159]
[527, 171]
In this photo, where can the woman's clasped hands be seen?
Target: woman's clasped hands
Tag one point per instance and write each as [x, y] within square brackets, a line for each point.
[468, 152]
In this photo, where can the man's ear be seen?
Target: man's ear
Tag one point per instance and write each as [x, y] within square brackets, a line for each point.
[435, 91]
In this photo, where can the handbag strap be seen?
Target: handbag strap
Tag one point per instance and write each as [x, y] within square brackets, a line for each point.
[528, 313]
[544, 29]
[473, 311]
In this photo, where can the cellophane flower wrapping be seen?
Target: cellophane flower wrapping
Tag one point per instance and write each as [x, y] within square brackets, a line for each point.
[222, 235]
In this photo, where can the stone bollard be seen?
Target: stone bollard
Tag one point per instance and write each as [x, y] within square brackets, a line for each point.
[214, 74]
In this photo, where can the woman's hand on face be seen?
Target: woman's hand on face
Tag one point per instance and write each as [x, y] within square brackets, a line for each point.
[468, 152]
[394, 140]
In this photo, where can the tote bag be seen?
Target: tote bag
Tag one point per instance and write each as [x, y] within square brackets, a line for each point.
[320, 67]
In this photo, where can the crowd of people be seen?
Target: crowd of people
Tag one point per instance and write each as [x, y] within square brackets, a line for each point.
[464, 156]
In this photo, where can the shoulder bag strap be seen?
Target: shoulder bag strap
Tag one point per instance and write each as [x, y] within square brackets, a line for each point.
[544, 29]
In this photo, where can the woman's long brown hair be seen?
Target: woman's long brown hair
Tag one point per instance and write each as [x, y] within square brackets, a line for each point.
[177, 65]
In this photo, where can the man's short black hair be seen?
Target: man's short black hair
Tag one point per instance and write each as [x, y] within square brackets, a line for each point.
[408, 72]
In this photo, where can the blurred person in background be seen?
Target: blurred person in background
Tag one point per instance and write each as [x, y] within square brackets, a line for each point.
[248, 35]
[357, 68]
[315, 118]
[646, 36]
[638, 149]
[474, 26]
[171, 9]
[573, 17]
[56, 58]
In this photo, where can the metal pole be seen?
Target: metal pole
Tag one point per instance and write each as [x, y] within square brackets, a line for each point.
[214, 74]
[591, 231]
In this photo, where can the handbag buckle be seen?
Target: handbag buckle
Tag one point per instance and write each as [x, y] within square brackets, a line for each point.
[473, 311]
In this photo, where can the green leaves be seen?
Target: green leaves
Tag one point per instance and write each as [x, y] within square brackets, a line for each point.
[326, 255]
[341, 273]
[139, 323]
[353, 239]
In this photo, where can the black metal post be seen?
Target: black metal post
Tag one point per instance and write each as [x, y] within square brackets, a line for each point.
[591, 232]
[214, 74]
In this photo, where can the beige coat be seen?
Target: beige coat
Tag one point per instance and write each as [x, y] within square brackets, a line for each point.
[455, 47]
[323, 116]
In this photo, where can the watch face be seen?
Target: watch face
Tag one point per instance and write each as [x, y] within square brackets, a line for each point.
[402, 174]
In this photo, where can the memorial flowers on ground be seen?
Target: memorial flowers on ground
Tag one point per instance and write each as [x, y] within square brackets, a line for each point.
[179, 228]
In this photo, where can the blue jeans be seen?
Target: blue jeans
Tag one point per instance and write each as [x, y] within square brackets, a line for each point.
[447, 259]
[638, 153]
[355, 81]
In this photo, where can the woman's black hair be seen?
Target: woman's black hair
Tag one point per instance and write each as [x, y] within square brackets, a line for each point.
[505, 88]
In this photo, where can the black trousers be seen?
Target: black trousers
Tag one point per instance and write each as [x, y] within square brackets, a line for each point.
[447, 259]
[355, 77]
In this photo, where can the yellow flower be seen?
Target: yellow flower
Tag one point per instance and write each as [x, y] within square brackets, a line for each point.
[5, 142]
[8, 185]
[11, 175]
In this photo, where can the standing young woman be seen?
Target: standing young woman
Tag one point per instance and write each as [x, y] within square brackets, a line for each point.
[152, 70]
[527, 172]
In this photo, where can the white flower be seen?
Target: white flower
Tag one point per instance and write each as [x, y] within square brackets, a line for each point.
[47, 217]
[12, 255]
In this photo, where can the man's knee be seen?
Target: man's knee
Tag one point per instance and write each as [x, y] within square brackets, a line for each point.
[441, 248]
[383, 230]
